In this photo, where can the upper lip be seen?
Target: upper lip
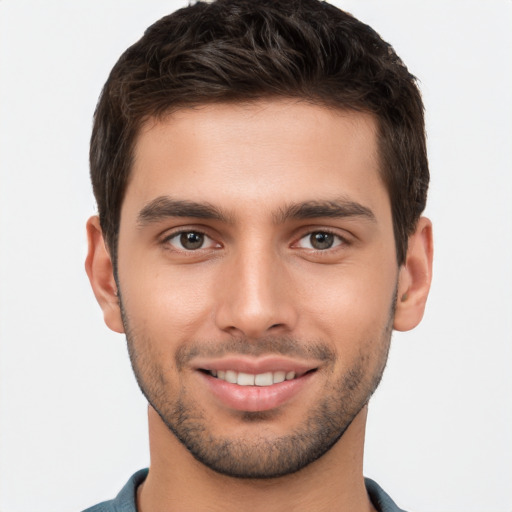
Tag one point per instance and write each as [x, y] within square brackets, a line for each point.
[255, 365]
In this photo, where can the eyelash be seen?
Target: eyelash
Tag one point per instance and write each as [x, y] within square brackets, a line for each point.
[167, 240]
[337, 242]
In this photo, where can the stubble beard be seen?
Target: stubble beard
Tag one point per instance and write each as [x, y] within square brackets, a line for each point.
[261, 456]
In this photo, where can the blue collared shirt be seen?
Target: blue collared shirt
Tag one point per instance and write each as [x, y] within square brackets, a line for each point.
[126, 500]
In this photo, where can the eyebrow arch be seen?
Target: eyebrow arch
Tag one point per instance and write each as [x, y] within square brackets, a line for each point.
[164, 207]
[316, 209]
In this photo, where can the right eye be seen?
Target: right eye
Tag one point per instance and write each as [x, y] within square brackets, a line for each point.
[190, 241]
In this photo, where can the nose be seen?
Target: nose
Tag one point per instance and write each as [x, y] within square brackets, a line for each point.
[255, 296]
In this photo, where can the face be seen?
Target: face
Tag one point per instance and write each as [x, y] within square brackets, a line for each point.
[257, 275]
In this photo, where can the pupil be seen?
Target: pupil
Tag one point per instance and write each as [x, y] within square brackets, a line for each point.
[322, 240]
[192, 240]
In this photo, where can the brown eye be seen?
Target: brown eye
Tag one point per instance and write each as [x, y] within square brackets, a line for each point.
[191, 240]
[320, 241]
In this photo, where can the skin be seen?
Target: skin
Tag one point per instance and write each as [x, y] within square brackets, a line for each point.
[258, 288]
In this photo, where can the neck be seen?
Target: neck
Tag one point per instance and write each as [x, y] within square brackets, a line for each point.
[177, 481]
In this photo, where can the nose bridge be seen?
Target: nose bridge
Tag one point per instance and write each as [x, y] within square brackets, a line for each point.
[255, 298]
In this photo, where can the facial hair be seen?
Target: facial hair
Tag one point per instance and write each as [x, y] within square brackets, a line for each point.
[264, 455]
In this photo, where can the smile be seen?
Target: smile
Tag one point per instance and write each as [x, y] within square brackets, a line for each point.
[249, 379]
[261, 391]
[242, 383]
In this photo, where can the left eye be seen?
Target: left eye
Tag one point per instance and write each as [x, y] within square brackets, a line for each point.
[319, 241]
[190, 241]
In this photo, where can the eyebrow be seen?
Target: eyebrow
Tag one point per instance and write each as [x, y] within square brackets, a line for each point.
[164, 207]
[340, 208]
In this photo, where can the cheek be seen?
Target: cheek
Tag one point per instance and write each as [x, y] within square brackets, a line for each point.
[350, 305]
[167, 303]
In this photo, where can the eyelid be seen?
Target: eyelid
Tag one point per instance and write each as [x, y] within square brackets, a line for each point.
[177, 232]
[338, 240]
[344, 238]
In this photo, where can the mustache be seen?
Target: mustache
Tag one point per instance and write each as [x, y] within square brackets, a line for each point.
[284, 346]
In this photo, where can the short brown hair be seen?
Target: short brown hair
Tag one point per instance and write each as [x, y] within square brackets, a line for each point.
[244, 50]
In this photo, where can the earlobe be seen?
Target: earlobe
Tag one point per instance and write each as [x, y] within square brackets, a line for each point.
[99, 268]
[415, 278]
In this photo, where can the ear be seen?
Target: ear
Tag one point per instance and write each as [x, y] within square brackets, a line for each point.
[99, 268]
[414, 278]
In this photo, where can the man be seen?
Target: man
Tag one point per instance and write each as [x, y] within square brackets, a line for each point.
[260, 172]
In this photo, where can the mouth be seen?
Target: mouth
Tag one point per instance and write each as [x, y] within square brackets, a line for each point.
[256, 384]
[264, 379]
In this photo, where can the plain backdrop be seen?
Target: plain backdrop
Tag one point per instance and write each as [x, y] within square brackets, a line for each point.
[72, 420]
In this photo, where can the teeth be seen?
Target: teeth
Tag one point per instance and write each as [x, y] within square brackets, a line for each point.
[245, 379]
[279, 377]
[264, 379]
[248, 379]
[231, 376]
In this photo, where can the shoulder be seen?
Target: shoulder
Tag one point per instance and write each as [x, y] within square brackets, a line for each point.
[125, 501]
[379, 498]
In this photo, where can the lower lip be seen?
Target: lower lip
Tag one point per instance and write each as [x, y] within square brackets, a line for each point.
[255, 398]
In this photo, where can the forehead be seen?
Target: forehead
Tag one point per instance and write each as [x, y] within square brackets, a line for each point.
[257, 155]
